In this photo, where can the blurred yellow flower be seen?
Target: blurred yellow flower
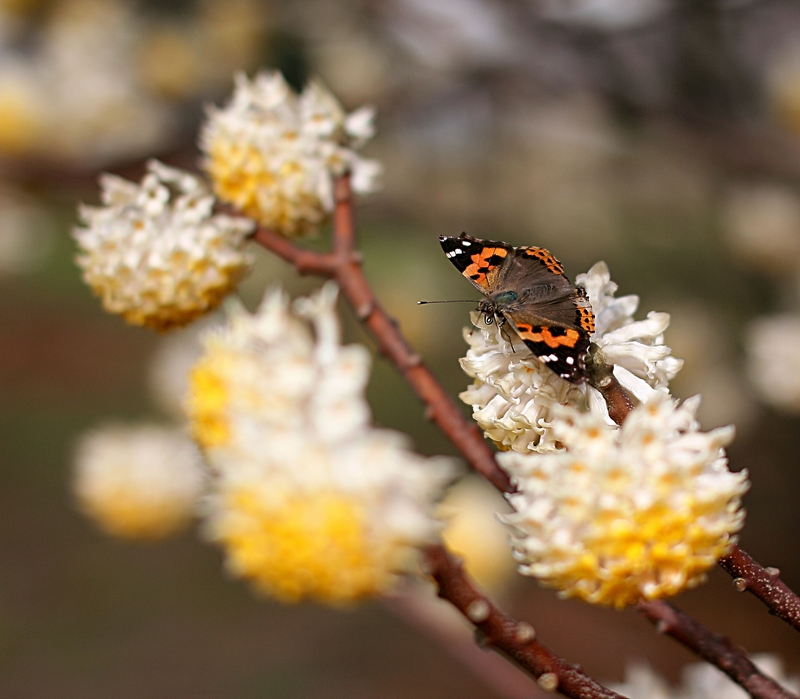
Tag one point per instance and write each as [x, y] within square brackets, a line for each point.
[473, 532]
[138, 482]
[274, 154]
[310, 501]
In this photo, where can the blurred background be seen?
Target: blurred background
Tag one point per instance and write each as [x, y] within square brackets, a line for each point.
[662, 136]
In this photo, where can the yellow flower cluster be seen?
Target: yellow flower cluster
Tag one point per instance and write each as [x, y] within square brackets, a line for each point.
[138, 482]
[274, 154]
[630, 513]
[310, 501]
[155, 253]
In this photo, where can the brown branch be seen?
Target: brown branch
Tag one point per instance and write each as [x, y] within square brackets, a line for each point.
[764, 583]
[515, 640]
[714, 648]
[602, 378]
[344, 265]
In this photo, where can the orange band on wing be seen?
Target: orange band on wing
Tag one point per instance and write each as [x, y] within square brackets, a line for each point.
[543, 334]
[586, 318]
[544, 255]
[482, 263]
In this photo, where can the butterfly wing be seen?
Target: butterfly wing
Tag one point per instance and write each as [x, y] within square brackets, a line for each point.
[480, 261]
[553, 318]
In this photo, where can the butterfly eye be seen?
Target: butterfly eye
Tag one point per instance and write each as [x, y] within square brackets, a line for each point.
[488, 319]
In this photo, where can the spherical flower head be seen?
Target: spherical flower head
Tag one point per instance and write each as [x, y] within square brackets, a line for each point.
[274, 154]
[310, 501]
[625, 514]
[155, 254]
[772, 344]
[138, 482]
[515, 397]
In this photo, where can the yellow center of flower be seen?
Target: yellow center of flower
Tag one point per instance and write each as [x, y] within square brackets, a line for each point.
[208, 399]
[650, 554]
[313, 546]
[278, 198]
[124, 513]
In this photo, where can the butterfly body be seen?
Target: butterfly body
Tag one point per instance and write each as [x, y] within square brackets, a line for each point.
[525, 287]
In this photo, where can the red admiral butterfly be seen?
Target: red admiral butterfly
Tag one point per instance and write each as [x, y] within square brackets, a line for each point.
[526, 287]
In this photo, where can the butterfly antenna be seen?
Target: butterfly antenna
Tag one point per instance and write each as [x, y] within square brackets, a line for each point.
[420, 303]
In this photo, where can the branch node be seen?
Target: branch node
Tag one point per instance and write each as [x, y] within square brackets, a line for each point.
[364, 311]
[430, 412]
[548, 681]
[412, 360]
[663, 626]
[478, 611]
[774, 572]
[739, 584]
[481, 639]
[525, 632]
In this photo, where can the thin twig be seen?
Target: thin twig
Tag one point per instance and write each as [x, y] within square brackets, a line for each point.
[714, 648]
[515, 640]
[764, 583]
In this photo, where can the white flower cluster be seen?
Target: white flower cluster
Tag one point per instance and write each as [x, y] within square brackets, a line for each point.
[773, 347]
[514, 396]
[629, 513]
[700, 681]
[155, 253]
[311, 501]
[274, 154]
[138, 481]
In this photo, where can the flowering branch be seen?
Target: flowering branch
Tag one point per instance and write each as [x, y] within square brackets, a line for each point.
[344, 265]
[714, 648]
[748, 574]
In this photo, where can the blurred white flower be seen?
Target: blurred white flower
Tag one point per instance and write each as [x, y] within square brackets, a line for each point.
[274, 155]
[762, 226]
[514, 395]
[629, 513]
[699, 681]
[453, 35]
[169, 367]
[26, 231]
[604, 14]
[773, 359]
[154, 252]
[139, 481]
[22, 107]
[94, 108]
[311, 502]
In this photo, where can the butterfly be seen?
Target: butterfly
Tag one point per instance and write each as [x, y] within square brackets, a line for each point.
[525, 287]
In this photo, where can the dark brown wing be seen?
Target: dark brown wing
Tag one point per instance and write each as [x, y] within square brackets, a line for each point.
[553, 318]
[480, 261]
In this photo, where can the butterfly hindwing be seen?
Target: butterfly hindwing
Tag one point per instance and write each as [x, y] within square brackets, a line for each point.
[563, 349]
